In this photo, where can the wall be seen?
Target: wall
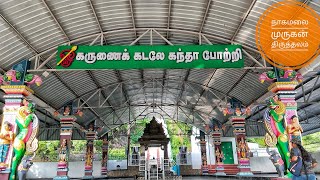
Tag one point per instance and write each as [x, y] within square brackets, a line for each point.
[195, 146]
[76, 169]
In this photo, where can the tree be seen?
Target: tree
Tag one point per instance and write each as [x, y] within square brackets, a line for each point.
[178, 132]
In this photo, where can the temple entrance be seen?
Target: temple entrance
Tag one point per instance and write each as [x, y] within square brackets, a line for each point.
[228, 152]
[154, 160]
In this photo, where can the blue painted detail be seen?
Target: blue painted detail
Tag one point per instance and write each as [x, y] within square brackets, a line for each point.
[61, 178]
[244, 174]
[220, 174]
[176, 169]
[88, 177]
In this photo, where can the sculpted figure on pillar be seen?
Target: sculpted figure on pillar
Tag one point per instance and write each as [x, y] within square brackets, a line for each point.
[6, 138]
[219, 156]
[276, 131]
[89, 158]
[243, 148]
[26, 140]
[63, 151]
[294, 129]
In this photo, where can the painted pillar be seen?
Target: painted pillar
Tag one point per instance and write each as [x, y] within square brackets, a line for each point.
[286, 93]
[66, 122]
[238, 124]
[216, 136]
[203, 149]
[90, 136]
[13, 100]
[104, 161]
[281, 120]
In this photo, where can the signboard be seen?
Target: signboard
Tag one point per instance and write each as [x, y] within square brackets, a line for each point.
[144, 57]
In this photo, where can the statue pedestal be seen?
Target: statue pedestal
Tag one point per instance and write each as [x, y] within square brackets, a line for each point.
[88, 172]
[205, 169]
[220, 170]
[103, 171]
[244, 168]
[5, 175]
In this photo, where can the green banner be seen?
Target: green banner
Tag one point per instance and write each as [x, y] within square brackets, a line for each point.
[146, 57]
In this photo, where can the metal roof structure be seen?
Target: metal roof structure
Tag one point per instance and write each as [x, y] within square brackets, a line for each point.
[33, 29]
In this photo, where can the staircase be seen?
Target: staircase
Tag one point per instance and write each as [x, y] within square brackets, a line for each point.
[229, 169]
[154, 168]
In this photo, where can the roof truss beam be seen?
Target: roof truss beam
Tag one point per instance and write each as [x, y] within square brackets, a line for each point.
[56, 20]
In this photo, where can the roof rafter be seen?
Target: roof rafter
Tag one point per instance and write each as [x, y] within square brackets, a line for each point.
[132, 17]
[56, 20]
[205, 15]
[97, 20]
[19, 34]
[169, 17]
[244, 18]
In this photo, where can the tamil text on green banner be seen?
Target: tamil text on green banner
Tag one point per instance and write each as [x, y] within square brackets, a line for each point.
[144, 57]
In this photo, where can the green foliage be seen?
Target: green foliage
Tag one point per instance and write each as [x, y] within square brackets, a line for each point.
[259, 141]
[78, 146]
[137, 131]
[117, 154]
[97, 144]
[178, 132]
[311, 142]
[47, 151]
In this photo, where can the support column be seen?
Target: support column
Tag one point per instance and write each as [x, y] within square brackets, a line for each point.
[104, 161]
[203, 149]
[216, 135]
[13, 101]
[66, 122]
[238, 124]
[286, 94]
[90, 136]
[281, 120]
[166, 156]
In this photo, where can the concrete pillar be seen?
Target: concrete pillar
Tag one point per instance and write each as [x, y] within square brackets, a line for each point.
[203, 149]
[166, 156]
[66, 122]
[90, 136]
[104, 161]
[14, 95]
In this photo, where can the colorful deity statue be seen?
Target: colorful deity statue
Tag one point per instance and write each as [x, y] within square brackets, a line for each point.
[275, 126]
[89, 158]
[17, 76]
[294, 129]
[290, 75]
[28, 125]
[6, 138]
[242, 148]
[63, 151]
[219, 156]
